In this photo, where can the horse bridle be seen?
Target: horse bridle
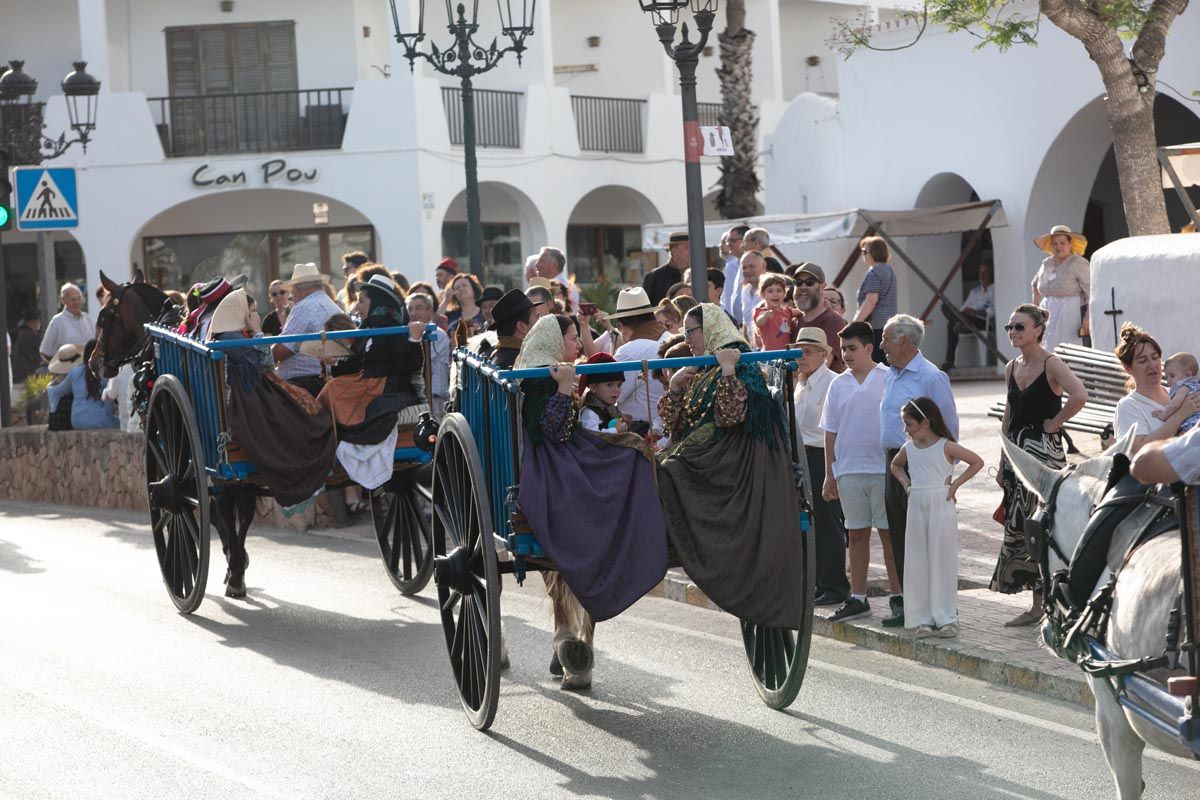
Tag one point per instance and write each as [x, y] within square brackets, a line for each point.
[1039, 526]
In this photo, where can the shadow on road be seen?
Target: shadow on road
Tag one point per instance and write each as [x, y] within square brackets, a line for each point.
[14, 561]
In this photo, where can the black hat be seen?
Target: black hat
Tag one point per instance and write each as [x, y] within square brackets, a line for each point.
[380, 288]
[511, 306]
[491, 293]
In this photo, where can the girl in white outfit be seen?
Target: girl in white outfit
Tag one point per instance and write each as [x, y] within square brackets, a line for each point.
[925, 466]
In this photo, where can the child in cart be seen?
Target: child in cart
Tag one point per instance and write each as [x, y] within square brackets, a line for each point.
[931, 548]
[600, 393]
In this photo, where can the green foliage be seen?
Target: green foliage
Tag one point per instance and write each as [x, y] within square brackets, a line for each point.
[32, 390]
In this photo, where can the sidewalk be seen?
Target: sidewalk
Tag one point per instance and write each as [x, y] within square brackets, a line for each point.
[985, 649]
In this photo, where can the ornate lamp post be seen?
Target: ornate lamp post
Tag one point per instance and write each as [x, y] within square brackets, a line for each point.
[22, 142]
[464, 59]
[686, 56]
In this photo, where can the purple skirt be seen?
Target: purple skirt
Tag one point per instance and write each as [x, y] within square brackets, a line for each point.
[595, 509]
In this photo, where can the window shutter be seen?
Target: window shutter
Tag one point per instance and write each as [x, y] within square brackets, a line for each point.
[280, 56]
[183, 62]
[249, 75]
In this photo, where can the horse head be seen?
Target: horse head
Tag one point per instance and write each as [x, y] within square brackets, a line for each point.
[1080, 488]
[120, 335]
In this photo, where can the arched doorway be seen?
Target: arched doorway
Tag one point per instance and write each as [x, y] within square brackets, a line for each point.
[512, 227]
[202, 238]
[604, 237]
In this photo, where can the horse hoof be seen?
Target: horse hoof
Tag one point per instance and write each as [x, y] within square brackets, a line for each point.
[235, 586]
[575, 656]
[555, 667]
[573, 682]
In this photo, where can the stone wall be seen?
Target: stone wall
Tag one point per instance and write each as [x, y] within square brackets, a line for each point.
[106, 469]
[103, 469]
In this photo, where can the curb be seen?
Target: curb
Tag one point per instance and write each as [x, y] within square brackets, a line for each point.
[983, 667]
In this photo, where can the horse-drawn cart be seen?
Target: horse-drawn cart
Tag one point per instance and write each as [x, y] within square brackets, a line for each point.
[476, 465]
[191, 460]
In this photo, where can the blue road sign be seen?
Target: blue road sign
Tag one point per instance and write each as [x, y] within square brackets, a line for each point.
[47, 199]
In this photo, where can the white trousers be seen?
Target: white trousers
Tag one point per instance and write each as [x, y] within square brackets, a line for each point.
[930, 559]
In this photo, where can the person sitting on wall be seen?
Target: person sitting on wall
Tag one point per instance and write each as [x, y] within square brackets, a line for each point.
[88, 410]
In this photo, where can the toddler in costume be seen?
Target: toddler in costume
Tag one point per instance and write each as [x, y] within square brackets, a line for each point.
[1180, 371]
[600, 392]
[931, 546]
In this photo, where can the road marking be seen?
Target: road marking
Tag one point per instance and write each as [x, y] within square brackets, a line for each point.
[158, 743]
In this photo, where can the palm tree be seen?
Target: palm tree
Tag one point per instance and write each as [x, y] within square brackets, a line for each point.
[739, 180]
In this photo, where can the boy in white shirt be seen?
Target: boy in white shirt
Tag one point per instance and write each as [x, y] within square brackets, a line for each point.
[855, 462]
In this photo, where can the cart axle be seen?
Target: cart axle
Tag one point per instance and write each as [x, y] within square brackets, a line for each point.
[453, 571]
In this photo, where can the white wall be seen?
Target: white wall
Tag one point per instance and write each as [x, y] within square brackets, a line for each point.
[804, 27]
[47, 48]
[630, 61]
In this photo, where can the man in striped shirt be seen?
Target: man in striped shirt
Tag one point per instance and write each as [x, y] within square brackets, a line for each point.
[311, 309]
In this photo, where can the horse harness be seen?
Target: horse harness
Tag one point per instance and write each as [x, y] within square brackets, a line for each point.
[1128, 516]
[144, 373]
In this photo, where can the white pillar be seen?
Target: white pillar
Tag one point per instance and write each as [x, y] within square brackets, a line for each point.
[93, 40]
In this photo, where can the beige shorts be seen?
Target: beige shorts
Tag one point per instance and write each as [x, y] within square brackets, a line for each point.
[861, 494]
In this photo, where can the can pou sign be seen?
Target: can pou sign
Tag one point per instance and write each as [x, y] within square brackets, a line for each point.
[274, 171]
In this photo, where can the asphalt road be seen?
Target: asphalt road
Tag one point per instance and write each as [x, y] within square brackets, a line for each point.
[326, 683]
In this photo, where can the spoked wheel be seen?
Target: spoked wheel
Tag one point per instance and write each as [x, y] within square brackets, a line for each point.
[400, 512]
[177, 489]
[468, 580]
[778, 657]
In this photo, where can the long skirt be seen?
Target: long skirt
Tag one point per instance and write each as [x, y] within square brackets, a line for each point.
[1015, 570]
[733, 519]
[593, 505]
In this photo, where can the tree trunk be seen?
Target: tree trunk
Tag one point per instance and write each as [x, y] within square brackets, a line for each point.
[1130, 114]
[739, 179]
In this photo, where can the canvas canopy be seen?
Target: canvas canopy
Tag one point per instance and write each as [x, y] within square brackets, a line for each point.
[788, 229]
[1181, 169]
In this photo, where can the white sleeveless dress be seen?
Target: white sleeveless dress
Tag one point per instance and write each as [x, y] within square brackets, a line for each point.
[931, 544]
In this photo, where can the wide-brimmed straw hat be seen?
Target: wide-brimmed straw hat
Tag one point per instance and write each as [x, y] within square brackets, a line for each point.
[304, 274]
[631, 303]
[813, 336]
[66, 359]
[1078, 240]
[327, 348]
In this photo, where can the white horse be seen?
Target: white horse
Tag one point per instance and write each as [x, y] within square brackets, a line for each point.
[1145, 593]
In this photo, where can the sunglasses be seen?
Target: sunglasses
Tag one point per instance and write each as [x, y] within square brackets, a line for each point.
[808, 282]
[1018, 327]
[279, 294]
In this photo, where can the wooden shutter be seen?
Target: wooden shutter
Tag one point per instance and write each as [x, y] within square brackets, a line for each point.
[280, 51]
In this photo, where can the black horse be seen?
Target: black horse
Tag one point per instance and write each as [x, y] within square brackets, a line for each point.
[121, 339]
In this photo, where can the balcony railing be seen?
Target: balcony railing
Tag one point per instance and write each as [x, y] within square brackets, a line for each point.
[710, 114]
[252, 122]
[609, 124]
[497, 117]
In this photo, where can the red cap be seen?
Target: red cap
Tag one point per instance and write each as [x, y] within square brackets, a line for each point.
[448, 264]
[600, 358]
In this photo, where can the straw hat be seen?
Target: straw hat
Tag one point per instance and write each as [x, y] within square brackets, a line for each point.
[541, 283]
[66, 359]
[814, 336]
[1078, 240]
[678, 237]
[632, 302]
[328, 348]
[304, 274]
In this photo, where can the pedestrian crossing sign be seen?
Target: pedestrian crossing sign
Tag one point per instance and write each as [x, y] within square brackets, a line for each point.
[47, 199]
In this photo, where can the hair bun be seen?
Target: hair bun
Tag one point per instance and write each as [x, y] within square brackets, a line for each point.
[1131, 332]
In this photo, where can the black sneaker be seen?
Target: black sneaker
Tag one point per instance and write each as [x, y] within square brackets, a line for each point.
[896, 620]
[828, 598]
[851, 609]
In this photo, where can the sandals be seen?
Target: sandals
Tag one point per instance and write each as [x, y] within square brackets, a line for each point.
[1023, 619]
[923, 632]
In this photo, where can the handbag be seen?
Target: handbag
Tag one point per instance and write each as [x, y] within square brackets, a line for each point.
[60, 417]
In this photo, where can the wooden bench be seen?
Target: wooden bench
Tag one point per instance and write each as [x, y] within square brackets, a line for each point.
[1102, 376]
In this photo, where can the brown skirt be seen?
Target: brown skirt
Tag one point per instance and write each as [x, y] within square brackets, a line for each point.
[733, 520]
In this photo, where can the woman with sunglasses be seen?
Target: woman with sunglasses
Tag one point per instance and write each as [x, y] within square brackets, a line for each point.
[1034, 415]
[281, 304]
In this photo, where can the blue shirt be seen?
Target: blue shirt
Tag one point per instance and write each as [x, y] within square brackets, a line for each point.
[86, 413]
[919, 379]
[731, 295]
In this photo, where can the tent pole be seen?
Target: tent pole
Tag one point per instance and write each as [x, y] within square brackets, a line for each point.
[954, 309]
[850, 262]
[962, 257]
[1179, 190]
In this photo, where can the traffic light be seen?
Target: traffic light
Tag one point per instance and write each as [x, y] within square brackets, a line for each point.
[7, 213]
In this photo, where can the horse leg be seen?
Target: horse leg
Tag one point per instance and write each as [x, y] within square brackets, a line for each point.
[1122, 746]
[241, 515]
[573, 631]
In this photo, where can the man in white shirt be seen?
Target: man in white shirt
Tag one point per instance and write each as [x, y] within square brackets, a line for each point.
[754, 266]
[855, 462]
[552, 264]
[979, 308]
[731, 295]
[812, 387]
[641, 334]
[69, 326]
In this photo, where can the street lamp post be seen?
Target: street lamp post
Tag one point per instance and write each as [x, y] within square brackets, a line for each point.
[22, 142]
[464, 59]
[686, 56]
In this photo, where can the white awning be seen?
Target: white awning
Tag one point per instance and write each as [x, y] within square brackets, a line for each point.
[1185, 160]
[804, 228]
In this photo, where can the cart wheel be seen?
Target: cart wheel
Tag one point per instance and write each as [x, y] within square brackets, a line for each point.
[778, 657]
[400, 513]
[468, 581]
[177, 490]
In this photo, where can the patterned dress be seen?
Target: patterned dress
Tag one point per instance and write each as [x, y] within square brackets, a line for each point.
[1028, 409]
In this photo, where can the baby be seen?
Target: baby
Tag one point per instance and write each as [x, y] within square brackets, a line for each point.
[1181, 371]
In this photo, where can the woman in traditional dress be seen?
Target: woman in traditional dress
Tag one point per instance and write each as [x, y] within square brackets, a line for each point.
[589, 498]
[727, 486]
[1033, 418]
[1061, 286]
